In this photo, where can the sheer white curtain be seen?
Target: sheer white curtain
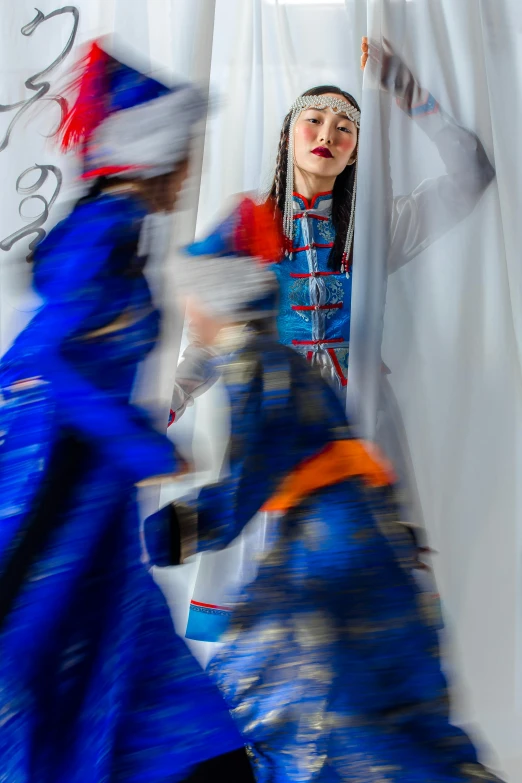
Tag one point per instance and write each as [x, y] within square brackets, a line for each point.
[451, 338]
[265, 53]
[451, 334]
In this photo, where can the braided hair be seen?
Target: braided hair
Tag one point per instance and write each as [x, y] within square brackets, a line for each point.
[342, 190]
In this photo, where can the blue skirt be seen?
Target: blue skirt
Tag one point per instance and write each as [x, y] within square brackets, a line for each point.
[94, 683]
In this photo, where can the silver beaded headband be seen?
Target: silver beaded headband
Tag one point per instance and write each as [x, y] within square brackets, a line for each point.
[337, 105]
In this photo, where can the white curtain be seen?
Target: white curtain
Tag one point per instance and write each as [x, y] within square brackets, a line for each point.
[451, 334]
[451, 338]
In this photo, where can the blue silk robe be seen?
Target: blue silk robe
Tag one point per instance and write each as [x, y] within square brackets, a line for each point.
[94, 684]
[330, 663]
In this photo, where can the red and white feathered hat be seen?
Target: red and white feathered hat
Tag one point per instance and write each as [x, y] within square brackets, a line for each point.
[126, 124]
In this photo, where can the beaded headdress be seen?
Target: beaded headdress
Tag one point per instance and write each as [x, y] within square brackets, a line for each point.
[337, 105]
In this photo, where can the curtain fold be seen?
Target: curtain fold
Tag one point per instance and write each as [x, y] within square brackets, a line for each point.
[449, 336]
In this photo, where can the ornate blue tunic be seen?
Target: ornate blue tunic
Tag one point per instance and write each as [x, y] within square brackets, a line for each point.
[315, 302]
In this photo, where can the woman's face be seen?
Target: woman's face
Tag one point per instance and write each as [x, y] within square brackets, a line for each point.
[324, 141]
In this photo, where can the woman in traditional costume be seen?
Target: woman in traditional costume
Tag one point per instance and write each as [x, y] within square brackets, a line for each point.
[94, 684]
[315, 185]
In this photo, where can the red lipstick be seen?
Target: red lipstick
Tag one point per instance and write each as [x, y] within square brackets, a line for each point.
[323, 152]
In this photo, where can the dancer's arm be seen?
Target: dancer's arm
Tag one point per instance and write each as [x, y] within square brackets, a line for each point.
[69, 274]
[437, 204]
[196, 373]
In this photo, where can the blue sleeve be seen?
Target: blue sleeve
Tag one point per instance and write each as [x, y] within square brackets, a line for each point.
[122, 431]
[77, 250]
[162, 538]
[218, 524]
[69, 274]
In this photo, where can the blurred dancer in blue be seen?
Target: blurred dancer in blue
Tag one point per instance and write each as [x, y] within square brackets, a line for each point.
[94, 684]
[330, 662]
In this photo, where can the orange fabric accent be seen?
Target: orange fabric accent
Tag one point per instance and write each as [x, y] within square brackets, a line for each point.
[340, 460]
[259, 231]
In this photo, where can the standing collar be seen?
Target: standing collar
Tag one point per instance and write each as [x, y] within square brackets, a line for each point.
[321, 203]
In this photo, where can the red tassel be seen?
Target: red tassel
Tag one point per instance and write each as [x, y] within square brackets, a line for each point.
[109, 171]
[346, 262]
[287, 246]
[90, 107]
[259, 231]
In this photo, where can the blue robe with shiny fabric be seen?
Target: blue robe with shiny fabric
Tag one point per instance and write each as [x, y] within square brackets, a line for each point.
[315, 301]
[94, 684]
[330, 663]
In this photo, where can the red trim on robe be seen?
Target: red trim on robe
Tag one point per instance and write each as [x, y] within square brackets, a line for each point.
[337, 306]
[335, 360]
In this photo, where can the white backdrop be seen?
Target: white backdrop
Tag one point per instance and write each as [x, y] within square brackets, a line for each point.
[452, 324]
[451, 338]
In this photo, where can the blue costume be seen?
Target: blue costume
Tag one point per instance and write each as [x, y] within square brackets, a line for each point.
[314, 315]
[330, 661]
[94, 683]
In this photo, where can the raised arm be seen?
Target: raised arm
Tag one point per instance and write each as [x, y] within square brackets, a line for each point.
[438, 204]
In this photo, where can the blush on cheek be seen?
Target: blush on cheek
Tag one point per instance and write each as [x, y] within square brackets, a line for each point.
[347, 144]
[307, 132]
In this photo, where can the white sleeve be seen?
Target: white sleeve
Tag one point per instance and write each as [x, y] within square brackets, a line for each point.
[439, 204]
[195, 374]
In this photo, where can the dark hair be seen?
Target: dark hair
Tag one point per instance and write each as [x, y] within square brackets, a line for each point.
[153, 190]
[342, 190]
[96, 188]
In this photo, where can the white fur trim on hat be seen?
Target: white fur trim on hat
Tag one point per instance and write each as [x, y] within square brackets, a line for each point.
[153, 136]
[227, 285]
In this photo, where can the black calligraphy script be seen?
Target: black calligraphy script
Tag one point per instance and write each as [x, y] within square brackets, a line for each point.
[40, 87]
